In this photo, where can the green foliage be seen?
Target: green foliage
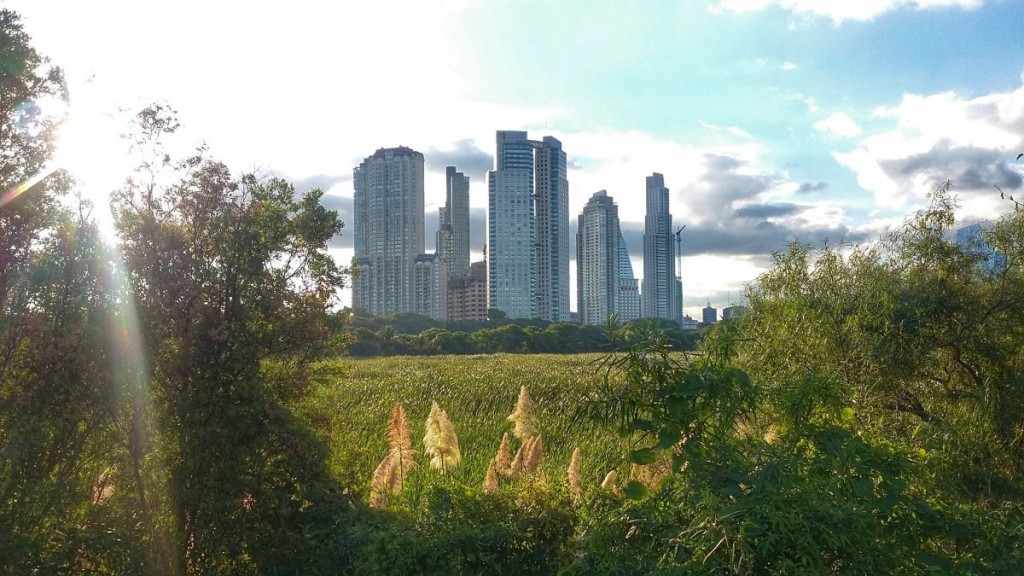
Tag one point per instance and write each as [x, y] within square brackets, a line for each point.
[520, 530]
[410, 334]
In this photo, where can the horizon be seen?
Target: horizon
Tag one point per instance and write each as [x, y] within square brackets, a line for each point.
[772, 121]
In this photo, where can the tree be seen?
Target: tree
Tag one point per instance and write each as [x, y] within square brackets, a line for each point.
[232, 283]
[56, 389]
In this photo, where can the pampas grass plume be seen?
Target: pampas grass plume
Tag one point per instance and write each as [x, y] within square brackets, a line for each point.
[503, 460]
[534, 453]
[400, 438]
[573, 478]
[522, 416]
[385, 481]
[440, 441]
[515, 469]
[491, 479]
[609, 481]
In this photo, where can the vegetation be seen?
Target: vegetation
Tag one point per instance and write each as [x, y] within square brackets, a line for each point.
[411, 334]
[177, 404]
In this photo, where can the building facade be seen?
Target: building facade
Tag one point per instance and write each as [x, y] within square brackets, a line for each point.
[709, 315]
[659, 291]
[597, 260]
[453, 225]
[388, 230]
[467, 296]
[428, 296]
[528, 228]
[629, 287]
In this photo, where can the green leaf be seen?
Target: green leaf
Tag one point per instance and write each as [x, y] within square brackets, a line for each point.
[643, 456]
[691, 386]
[862, 487]
[635, 490]
[676, 407]
[732, 511]
[645, 425]
[667, 438]
[935, 562]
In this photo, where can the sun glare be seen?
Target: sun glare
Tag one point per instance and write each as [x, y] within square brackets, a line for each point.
[90, 148]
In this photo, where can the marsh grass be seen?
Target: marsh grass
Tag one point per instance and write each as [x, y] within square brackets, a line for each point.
[352, 405]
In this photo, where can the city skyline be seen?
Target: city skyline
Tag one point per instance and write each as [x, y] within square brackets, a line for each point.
[772, 120]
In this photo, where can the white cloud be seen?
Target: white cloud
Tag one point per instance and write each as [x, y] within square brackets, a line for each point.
[842, 10]
[971, 141]
[788, 66]
[838, 125]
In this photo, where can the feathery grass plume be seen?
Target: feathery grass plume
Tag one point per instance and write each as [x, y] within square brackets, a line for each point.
[491, 479]
[609, 481]
[400, 438]
[522, 416]
[503, 460]
[516, 468]
[573, 478]
[385, 481]
[440, 441]
[663, 471]
[534, 453]
[642, 473]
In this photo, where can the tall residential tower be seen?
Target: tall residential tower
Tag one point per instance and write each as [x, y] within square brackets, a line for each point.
[388, 230]
[528, 228]
[597, 259]
[659, 291]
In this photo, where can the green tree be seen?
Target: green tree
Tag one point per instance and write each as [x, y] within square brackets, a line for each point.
[56, 390]
[232, 283]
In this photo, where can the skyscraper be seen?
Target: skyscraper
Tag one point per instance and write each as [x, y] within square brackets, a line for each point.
[528, 228]
[453, 229]
[552, 231]
[388, 230]
[629, 288]
[452, 237]
[597, 259]
[659, 292]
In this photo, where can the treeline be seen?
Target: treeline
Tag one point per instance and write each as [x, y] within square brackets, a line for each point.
[412, 334]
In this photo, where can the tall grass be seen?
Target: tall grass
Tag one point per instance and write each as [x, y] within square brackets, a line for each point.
[352, 404]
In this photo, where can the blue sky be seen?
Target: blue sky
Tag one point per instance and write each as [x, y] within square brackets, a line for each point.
[772, 120]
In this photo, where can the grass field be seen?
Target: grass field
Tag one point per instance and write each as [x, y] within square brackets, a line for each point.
[351, 406]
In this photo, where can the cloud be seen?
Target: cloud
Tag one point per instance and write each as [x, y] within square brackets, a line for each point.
[788, 66]
[466, 156]
[809, 188]
[322, 181]
[838, 125]
[763, 211]
[970, 141]
[343, 205]
[838, 12]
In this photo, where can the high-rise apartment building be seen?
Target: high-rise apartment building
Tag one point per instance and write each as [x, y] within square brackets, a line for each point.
[528, 228]
[551, 255]
[453, 228]
[597, 259]
[468, 295]
[629, 287]
[659, 292]
[388, 230]
[453, 236]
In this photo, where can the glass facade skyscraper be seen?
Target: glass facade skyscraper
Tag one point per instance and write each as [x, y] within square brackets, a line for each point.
[528, 228]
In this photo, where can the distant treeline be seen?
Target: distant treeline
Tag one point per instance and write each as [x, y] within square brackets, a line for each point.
[412, 334]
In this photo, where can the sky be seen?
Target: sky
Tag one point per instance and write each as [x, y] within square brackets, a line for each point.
[773, 121]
